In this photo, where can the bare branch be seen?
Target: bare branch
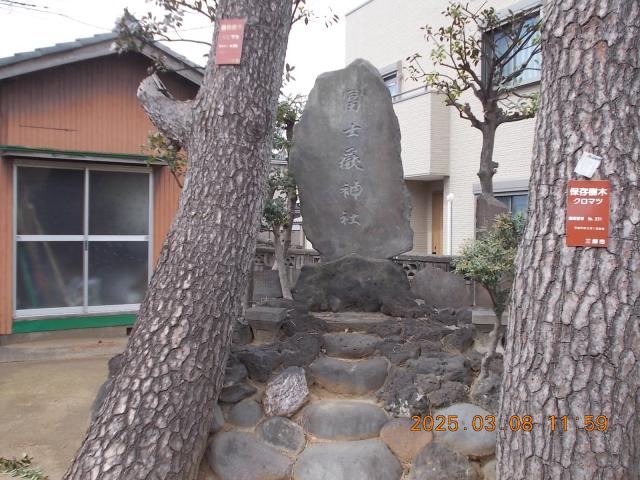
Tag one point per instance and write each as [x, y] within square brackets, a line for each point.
[170, 116]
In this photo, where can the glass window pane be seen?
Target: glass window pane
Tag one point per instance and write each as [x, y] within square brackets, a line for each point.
[519, 204]
[391, 82]
[506, 200]
[117, 272]
[118, 203]
[49, 274]
[50, 201]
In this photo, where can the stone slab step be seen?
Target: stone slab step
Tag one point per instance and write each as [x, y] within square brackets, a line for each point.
[353, 377]
[241, 456]
[353, 321]
[360, 460]
[342, 419]
[350, 345]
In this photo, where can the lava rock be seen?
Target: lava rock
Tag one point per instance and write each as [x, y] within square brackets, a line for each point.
[461, 339]
[448, 394]
[452, 316]
[300, 349]
[352, 283]
[237, 392]
[429, 346]
[342, 420]
[241, 456]
[440, 288]
[282, 433]
[425, 329]
[260, 361]
[400, 394]
[450, 366]
[286, 393]
[398, 352]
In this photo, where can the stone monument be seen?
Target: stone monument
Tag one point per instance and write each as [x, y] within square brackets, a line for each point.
[346, 161]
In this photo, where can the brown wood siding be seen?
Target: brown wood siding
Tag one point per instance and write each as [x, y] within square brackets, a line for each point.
[85, 106]
[88, 106]
[165, 202]
[6, 245]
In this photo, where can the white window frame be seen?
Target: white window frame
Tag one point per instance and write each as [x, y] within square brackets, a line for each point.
[85, 237]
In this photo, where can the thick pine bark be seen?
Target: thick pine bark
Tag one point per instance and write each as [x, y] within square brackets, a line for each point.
[574, 334]
[155, 420]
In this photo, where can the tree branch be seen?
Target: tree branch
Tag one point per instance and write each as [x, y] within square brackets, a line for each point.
[170, 116]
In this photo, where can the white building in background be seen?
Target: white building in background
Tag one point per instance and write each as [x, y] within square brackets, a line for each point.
[440, 151]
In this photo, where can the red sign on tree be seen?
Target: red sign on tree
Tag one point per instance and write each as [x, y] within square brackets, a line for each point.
[588, 213]
[230, 38]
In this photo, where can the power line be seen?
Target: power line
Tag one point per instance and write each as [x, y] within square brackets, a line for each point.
[10, 5]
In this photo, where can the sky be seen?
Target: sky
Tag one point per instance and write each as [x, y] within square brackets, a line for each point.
[313, 48]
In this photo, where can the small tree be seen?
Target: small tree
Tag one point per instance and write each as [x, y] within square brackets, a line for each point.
[280, 209]
[479, 51]
[490, 261]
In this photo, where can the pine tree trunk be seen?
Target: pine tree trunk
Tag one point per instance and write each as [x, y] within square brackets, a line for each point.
[573, 343]
[155, 420]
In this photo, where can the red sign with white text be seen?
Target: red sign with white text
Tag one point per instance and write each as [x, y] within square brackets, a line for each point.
[588, 213]
[230, 38]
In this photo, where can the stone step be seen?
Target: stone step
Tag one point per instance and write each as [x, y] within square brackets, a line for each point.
[353, 377]
[342, 420]
[350, 345]
[240, 455]
[359, 460]
[353, 321]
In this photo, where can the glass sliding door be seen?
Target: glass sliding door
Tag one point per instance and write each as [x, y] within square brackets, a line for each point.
[82, 239]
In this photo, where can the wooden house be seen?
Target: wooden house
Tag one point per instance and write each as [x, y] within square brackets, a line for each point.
[82, 214]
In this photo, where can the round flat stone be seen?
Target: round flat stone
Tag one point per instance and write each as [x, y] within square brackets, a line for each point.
[241, 456]
[343, 420]
[355, 377]
[359, 460]
[245, 414]
[437, 462]
[467, 442]
[402, 441]
[282, 433]
[350, 345]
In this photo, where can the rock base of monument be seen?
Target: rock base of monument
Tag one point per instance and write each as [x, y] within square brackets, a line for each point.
[356, 283]
[332, 395]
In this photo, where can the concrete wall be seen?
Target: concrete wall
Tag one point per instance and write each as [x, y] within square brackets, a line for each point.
[435, 141]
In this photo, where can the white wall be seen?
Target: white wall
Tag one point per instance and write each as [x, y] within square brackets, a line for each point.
[388, 31]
